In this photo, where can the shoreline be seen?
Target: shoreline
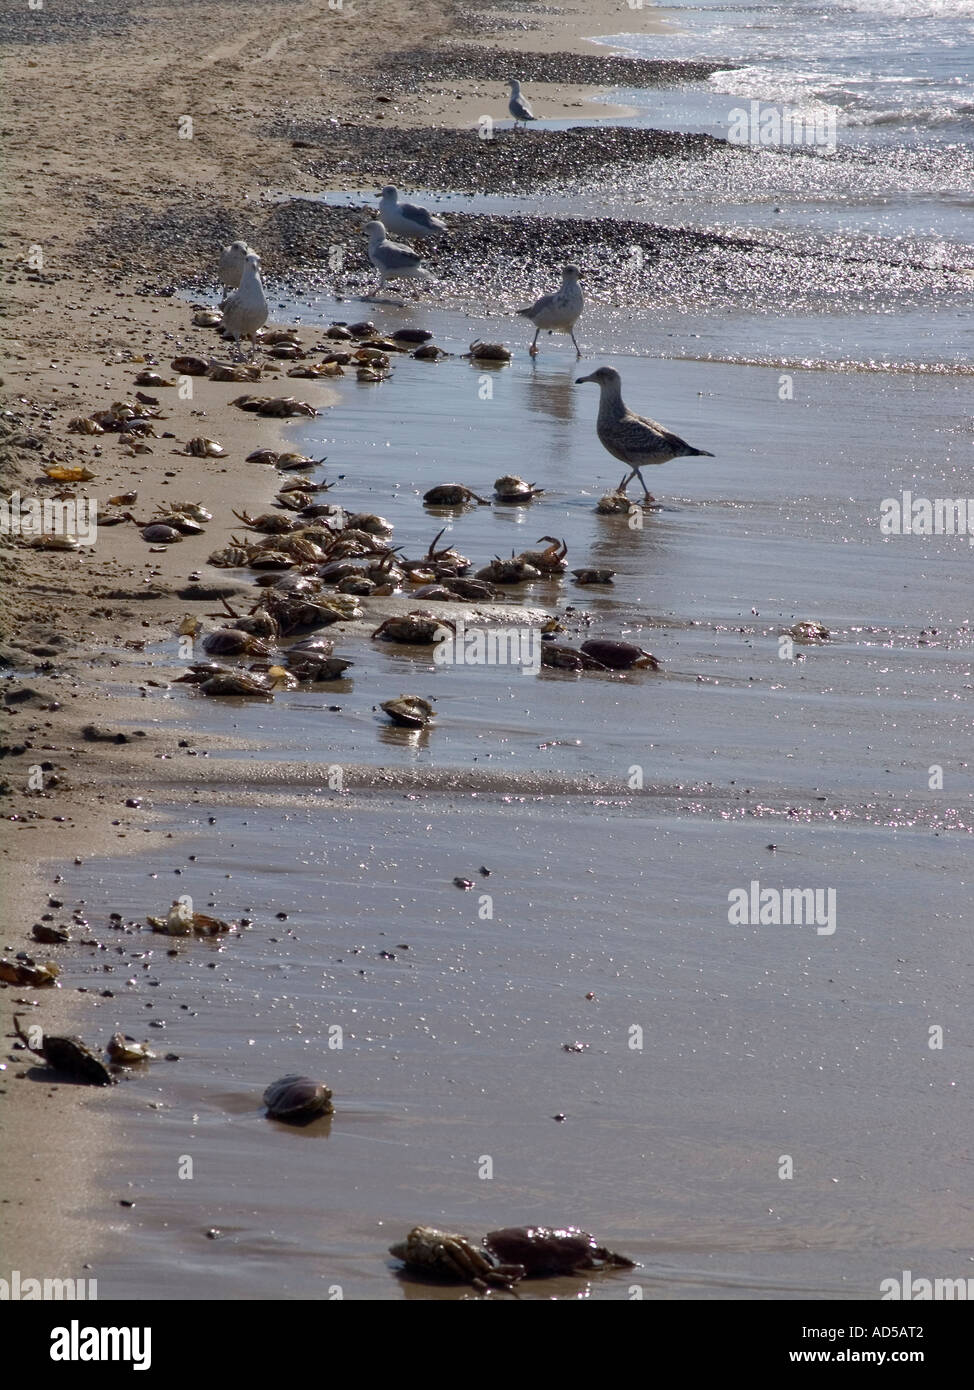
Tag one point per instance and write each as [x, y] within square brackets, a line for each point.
[85, 330]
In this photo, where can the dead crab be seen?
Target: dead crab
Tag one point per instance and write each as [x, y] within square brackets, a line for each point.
[268, 523]
[451, 1256]
[68, 1055]
[551, 560]
[620, 656]
[452, 495]
[411, 711]
[543, 1251]
[511, 488]
[417, 627]
[516, 570]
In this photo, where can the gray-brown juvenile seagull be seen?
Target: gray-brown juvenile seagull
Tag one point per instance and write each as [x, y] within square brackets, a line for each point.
[633, 438]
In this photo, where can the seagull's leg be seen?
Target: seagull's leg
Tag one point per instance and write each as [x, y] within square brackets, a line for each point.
[533, 349]
[578, 350]
[649, 496]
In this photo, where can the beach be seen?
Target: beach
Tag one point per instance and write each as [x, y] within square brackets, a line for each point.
[614, 816]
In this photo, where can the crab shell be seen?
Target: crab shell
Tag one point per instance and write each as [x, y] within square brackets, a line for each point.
[70, 1056]
[619, 656]
[411, 711]
[416, 627]
[232, 642]
[592, 576]
[544, 1251]
[448, 1255]
[451, 495]
[297, 1100]
[511, 488]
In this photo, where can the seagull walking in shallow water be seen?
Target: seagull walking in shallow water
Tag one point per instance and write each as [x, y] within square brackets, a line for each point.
[392, 261]
[517, 106]
[634, 439]
[245, 311]
[558, 312]
[407, 219]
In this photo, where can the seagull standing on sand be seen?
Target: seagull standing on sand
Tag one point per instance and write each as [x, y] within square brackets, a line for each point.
[407, 219]
[517, 106]
[392, 261]
[634, 439]
[245, 311]
[233, 258]
[557, 312]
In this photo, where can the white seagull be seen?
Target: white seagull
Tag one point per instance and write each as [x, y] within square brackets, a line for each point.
[245, 311]
[233, 258]
[633, 438]
[558, 312]
[407, 219]
[517, 106]
[392, 261]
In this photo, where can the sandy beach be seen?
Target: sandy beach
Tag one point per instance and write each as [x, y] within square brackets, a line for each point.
[140, 140]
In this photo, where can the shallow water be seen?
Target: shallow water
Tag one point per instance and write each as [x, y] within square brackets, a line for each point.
[756, 1043]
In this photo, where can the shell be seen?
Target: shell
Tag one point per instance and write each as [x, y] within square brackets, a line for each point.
[125, 1052]
[592, 576]
[619, 656]
[411, 335]
[159, 534]
[411, 711]
[207, 318]
[297, 1100]
[201, 447]
[511, 488]
[489, 352]
[188, 365]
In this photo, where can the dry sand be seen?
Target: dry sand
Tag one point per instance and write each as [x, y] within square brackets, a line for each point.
[95, 105]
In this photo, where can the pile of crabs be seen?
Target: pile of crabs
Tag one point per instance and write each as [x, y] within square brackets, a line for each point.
[503, 1258]
[314, 560]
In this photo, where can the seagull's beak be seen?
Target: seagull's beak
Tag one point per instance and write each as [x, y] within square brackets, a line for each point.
[580, 379]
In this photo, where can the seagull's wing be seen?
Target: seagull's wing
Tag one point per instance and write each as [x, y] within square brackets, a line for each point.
[521, 109]
[392, 256]
[421, 216]
[538, 307]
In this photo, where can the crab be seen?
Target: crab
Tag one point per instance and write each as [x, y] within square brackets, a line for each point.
[511, 488]
[451, 1256]
[808, 632]
[565, 658]
[158, 534]
[268, 523]
[297, 1100]
[126, 1052]
[411, 711]
[593, 576]
[230, 683]
[371, 524]
[620, 656]
[472, 589]
[201, 447]
[452, 495]
[615, 502]
[488, 352]
[544, 1251]
[228, 641]
[551, 560]
[417, 627]
[68, 1055]
[516, 570]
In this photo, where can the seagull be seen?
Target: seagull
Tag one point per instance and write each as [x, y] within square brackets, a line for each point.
[245, 311]
[233, 258]
[519, 108]
[557, 312]
[406, 219]
[634, 439]
[392, 261]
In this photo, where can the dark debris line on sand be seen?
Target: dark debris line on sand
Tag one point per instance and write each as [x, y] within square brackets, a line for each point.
[410, 70]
